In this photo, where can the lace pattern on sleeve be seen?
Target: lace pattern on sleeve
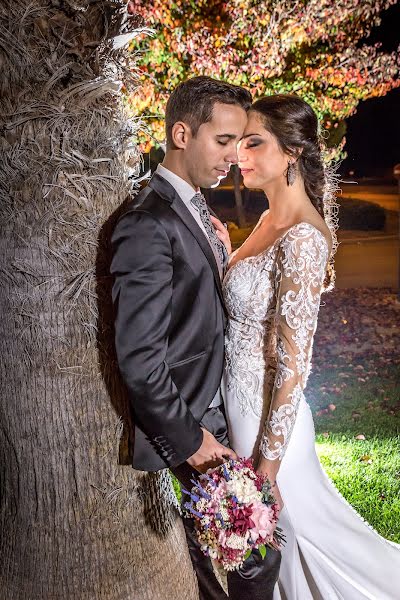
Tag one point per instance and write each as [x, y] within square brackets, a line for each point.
[300, 274]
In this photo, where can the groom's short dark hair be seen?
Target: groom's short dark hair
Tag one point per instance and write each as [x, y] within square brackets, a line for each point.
[192, 102]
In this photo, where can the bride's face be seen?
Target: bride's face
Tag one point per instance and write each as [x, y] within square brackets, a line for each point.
[261, 160]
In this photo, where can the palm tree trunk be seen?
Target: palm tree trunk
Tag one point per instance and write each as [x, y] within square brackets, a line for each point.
[77, 522]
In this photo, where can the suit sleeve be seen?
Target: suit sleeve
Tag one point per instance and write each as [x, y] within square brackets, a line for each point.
[142, 295]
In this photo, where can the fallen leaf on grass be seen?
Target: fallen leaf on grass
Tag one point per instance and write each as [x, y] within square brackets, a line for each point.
[366, 459]
[332, 407]
[326, 435]
[360, 436]
[323, 411]
[355, 415]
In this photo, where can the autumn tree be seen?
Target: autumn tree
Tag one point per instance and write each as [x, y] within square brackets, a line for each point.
[76, 521]
[315, 48]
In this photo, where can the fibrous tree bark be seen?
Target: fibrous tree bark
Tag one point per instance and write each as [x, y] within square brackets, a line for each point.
[76, 520]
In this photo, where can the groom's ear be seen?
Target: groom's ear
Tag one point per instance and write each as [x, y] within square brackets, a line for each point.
[180, 134]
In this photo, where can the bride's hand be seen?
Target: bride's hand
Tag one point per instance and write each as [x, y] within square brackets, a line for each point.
[274, 489]
[278, 497]
[222, 233]
[269, 469]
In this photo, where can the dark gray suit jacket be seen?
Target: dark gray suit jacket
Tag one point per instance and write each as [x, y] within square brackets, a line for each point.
[169, 324]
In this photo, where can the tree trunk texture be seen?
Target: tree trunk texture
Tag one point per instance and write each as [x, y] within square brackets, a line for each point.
[238, 197]
[77, 522]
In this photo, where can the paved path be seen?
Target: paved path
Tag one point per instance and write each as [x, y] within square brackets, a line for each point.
[368, 263]
[371, 259]
[386, 196]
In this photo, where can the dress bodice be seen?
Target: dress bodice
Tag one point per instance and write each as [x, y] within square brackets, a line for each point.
[249, 288]
[273, 301]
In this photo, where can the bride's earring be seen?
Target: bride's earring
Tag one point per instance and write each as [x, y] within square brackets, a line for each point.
[291, 173]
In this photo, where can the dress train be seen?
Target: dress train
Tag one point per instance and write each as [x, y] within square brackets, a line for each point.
[331, 553]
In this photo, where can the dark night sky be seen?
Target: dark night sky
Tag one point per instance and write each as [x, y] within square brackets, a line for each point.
[373, 133]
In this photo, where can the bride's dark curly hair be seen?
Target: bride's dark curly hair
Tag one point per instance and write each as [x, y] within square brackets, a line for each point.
[295, 125]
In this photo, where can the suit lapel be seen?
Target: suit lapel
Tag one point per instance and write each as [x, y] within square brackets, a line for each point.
[168, 192]
[179, 207]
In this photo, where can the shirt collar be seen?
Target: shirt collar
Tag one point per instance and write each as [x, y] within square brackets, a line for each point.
[182, 187]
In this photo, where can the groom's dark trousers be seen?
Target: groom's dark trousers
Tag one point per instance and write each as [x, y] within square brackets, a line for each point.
[256, 579]
[169, 337]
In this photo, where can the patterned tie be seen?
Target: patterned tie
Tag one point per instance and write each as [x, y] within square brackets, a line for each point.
[199, 202]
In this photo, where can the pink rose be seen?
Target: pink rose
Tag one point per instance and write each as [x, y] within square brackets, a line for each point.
[264, 521]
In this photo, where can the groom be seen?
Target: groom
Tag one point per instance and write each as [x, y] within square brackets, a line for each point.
[170, 316]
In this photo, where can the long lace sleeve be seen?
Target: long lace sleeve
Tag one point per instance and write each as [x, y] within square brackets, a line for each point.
[300, 274]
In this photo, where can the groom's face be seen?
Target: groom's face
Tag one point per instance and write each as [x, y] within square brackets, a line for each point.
[209, 155]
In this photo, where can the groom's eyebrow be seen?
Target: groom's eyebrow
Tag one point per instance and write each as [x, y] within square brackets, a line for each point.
[230, 136]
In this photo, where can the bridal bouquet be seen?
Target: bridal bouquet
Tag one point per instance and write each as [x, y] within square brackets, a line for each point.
[234, 511]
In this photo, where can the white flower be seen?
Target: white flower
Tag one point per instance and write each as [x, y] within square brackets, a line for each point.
[224, 513]
[201, 505]
[244, 489]
[237, 542]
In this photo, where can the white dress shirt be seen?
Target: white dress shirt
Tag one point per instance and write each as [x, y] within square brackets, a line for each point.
[186, 192]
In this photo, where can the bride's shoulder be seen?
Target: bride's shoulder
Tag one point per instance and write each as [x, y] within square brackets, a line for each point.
[260, 221]
[315, 231]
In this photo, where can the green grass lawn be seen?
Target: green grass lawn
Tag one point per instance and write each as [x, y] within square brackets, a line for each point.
[366, 471]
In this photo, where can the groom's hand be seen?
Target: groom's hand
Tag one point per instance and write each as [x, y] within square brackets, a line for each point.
[210, 454]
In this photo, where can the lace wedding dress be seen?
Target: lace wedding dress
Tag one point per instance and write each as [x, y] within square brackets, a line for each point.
[273, 301]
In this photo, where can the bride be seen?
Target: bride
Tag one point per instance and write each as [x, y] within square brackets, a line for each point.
[272, 290]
